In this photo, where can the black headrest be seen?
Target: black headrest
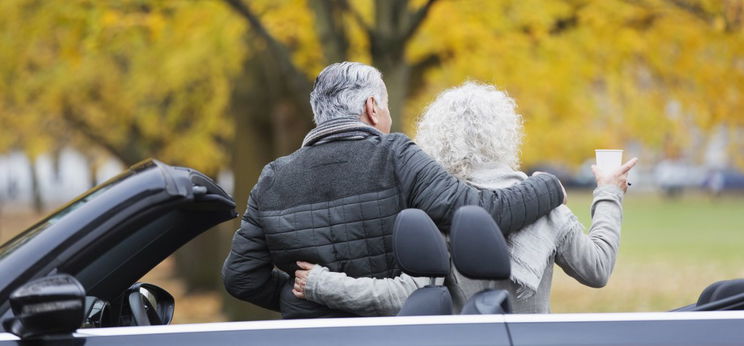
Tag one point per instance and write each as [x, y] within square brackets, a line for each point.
[729, 288]
[707, 294]
[478, 247]
[721, 290]
[488, 302]
[418, 245]
[428, 301]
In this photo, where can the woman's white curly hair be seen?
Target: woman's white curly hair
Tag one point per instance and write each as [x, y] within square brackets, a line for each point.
[471, 124]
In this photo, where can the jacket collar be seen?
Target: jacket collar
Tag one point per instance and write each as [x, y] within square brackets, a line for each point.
[339, 129]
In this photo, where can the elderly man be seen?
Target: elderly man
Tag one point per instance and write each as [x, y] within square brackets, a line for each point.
[334, 200]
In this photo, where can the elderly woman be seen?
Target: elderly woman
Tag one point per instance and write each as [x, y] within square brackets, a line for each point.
[475, 133]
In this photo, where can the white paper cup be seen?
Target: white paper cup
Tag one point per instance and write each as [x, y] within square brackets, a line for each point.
[609, 160]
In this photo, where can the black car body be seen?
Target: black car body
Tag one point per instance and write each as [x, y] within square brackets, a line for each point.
[112, 235]
[663, 328]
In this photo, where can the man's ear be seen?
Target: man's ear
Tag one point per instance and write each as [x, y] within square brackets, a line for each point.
[369, 111]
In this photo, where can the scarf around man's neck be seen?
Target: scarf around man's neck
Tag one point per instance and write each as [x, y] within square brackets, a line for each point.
[339, 129]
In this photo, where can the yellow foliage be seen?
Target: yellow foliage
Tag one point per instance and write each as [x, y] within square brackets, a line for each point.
[155, 75]
[584, 74]
[609, 76]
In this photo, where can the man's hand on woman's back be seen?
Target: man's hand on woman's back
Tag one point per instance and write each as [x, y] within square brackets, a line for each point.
[301, 278]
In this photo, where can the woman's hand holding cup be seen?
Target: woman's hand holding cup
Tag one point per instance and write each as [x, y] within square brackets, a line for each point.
[617, 176]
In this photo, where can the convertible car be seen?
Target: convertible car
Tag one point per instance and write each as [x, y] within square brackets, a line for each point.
[71, 279]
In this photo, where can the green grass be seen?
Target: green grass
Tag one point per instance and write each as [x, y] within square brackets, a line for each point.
[693, 228]
[671, 249]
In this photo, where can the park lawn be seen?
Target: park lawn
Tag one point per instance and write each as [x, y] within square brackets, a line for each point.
[671, 249]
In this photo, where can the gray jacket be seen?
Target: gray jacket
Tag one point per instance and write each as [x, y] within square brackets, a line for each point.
[334, 204]
[588, 258]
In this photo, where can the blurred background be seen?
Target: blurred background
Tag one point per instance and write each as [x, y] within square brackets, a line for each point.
[90, 87]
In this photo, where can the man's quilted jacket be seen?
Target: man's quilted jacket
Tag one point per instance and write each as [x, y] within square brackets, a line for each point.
[334, 204]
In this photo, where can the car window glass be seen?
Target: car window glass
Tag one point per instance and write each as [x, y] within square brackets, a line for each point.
[7, 248]
[92, 271]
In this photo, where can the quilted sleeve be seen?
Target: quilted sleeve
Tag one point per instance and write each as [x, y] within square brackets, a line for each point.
[429, 187]
[248, 272]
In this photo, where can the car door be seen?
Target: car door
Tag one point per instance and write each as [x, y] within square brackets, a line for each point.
[461, 330]
[660, 328]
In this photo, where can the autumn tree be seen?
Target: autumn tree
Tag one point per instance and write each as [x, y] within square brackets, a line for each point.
[136, 79]
[590, 74]
[139, 79]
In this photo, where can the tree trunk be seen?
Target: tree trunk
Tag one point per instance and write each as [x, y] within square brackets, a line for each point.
[2, 204]
[198, 263]
[290, 125]
[37, 200]
[252, 150]
[394, 26]
[329, 24]
[397, 79]
[56, 157]
[253, 147]
[93, 166]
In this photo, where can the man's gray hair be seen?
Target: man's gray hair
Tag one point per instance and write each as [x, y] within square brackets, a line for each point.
[341, 90]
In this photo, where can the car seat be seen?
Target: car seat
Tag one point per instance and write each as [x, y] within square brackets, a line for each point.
[421, 250]
[479, 252]
[722, 295]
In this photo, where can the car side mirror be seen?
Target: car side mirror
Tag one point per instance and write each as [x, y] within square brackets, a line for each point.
[149, 304]
[49, 305]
